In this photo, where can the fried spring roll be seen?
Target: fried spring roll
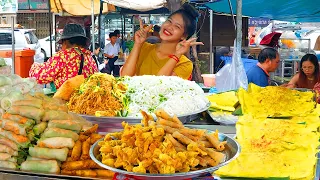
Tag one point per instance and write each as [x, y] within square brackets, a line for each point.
[94, 138]
[46, 166]
[93, 129]
[169, 123]
[7, 149]
[37, 103]
[8, 165]
[194, 132]
[57, 132]
[162, 114]
[65, 124]
[167, 129]
[56, 143]
[206, 144]
[46, 153]
[175, 142]
[85, 150]
[188, 135]
[56, 115]
[210, 161]
[83, 138]
[7, 142]
[39, 128]
[185, 140]
[76, 151]
[104, 173]
[23, 141]
[218, 157]
[27, 111]
[215, 142]
[80, 165]
[84, 173]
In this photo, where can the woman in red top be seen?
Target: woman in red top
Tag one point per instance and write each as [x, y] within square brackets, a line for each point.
[72, 60]
[308, 74]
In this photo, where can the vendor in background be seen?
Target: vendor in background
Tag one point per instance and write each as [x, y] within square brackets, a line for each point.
[268, 61]
[308, 74]
[101, 64]
[72, 60]
[111, 52]
[117, 33]
[166, 58]
[155, 36]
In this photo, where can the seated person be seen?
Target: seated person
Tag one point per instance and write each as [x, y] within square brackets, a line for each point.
[73, 59]
[268, 61]
[308, 74]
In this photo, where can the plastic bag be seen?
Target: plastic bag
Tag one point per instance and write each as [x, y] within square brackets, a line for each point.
[263, 33]
[232, 76]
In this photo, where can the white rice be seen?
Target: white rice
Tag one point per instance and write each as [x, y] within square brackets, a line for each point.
[171, 93]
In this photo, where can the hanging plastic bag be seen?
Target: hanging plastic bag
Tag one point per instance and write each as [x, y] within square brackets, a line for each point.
[232, 76]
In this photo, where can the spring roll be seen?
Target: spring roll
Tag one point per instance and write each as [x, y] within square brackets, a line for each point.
[5, 156]
[83, 138]
[56, 143]
[175, 142]
[80, 165]
[104, 173]
[85, 150]
[76, 151]
[167, 129]
[8, 165]
[57, 132]
[206, 144]
[7, 142]
[162, 114]
[31, 135]
[94, 138]
[46, 166]
[46, 153]
[39, 128]
[218, 157]
[84, 173]
[169, 123]
[65, 124]
[55, 115]
[19, 119]
[37, 103]
[55, 107]
[27, 111]
[13, 127]
[23, 141]
[183, 139]
[215, 142]
[93, 129]
[7, 149]
[30, 158]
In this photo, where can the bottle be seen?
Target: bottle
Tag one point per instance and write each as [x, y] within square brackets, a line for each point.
[126, 54]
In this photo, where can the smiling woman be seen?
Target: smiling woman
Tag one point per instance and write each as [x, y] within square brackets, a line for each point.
[166, 58]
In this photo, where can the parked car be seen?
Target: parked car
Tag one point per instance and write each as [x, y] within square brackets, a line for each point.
[45, 46]
[24, 39]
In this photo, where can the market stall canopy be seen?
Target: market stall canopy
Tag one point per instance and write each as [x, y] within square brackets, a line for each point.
[139, 5]
[79, 7]
[293, 10]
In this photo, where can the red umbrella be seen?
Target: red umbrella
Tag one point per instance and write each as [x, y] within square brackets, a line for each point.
[271, 40]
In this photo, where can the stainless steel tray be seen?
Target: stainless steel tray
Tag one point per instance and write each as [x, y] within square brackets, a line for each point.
[231, 151]
[107, 124]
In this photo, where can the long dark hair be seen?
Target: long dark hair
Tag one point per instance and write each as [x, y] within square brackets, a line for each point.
[302, 76]
[190, 16]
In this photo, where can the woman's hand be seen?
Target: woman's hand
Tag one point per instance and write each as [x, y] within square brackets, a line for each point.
[141, 35]
[184, 46]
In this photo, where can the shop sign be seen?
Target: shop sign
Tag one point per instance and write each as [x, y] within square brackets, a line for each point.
[259, 22]
[38, 4]
[8, 6]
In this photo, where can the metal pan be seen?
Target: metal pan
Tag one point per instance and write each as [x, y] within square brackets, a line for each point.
[106, 124]
[231, 151]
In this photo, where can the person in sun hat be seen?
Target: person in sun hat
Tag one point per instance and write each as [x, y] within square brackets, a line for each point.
[72, 60]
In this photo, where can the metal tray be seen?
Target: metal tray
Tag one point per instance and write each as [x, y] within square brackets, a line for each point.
[108, 124]
[231, 151]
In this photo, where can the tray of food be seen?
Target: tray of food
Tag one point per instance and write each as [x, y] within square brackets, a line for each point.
[164, 149]
[106, 98]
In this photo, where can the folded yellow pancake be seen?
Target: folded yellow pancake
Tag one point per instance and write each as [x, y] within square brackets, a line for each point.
[68, 87]
[224, 101]
[275, 148]
[273, 101]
